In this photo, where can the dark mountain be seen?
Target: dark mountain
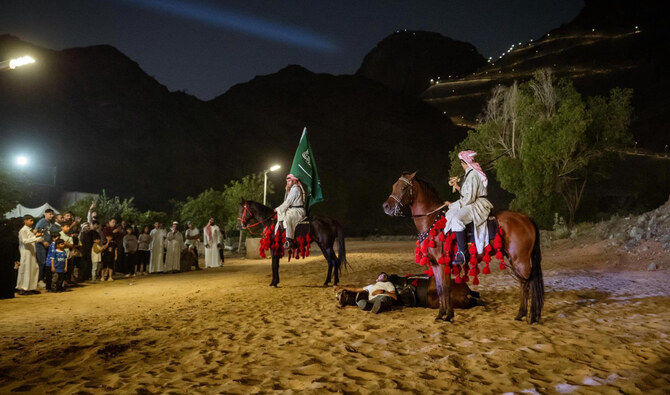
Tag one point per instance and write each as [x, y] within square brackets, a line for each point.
[106, 124]
[609, 44]
[406, 61]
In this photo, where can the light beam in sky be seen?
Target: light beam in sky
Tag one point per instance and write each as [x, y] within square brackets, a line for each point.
[232, 20]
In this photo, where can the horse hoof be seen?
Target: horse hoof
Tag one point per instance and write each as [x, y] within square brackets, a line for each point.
[520, 317]
[326, 284]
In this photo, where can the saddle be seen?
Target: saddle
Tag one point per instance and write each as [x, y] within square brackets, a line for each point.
[301, 228]
[491, 224]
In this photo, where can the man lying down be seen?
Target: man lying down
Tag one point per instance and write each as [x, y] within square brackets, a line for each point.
[409, 291]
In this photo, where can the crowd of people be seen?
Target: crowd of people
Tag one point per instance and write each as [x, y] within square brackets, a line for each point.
[60, 251]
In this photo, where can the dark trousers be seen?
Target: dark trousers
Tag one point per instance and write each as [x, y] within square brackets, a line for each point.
[48, 276]
[143, 259]
[377, 304]
[221, 255]
[85, 269]
[130, 262]
[58, 279]
[74, 262]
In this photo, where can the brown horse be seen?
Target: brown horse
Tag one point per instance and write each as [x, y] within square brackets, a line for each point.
[416, 198]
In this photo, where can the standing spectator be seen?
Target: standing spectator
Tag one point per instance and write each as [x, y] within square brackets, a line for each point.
[46, 226]
[26, 280]
[9, 258]
[86, 246]
[175, 245]
[109, 256]
[69, 245]
[96, 257]
[192, 239]
[144, 252]
[213, 245]
[59, 261]
[60, 220]
[130, 245]
[119, 234]
[157, 247]
[48, 275]
[92, 215]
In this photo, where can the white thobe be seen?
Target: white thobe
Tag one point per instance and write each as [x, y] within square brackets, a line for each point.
[156, 246]
[29, 271]
[175, 245]
[212, 257]
[292, 210]
[473, 206]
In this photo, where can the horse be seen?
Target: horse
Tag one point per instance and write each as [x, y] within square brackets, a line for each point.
[324, 231]
[416, 198]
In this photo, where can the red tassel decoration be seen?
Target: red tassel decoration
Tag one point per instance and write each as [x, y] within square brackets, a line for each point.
[502, 266]
[431, 244]
[486, 269]
[475, 281]
[458, 280]
[447, 270]
[466, 279]
[424, 261]
[415, 283]
[499, 255]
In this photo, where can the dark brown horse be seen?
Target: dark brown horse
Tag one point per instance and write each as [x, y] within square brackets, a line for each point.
[323, 231]
[521, 244]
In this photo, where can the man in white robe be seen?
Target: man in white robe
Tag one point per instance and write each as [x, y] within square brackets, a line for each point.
[27, 278]
[471, 207]
[213, 244]
[157, 247]
[292, 210]
[175, 245]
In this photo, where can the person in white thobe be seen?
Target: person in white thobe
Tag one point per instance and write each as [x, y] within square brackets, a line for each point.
[157, 247]
[174, 247]
[213, 239]
[29, 270]
[292, 210]
[473, 206]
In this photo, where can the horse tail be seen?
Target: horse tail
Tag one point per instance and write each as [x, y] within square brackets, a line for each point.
[535, 280]
[341, 248]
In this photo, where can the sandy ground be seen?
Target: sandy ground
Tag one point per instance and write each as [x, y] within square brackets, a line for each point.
[604, 330]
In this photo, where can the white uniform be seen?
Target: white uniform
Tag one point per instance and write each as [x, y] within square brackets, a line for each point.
[157, 245]
[471, 207]
[175, 245]
[212, 257]
[29, 270]
[292, 210]
[190, 233]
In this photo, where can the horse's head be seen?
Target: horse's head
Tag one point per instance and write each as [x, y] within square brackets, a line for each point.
[402, 196]
[244, 214]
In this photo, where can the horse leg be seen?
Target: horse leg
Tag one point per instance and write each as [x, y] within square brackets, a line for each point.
[327, 254]
[275, 271]
[439, 279]
[336, 266]
[523, 307]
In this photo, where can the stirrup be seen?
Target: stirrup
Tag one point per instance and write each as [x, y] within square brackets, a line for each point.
[289, 244]
[456, 262]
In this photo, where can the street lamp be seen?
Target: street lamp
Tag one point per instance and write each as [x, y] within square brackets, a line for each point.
[24, 161]
[14, 63]
[265, 185]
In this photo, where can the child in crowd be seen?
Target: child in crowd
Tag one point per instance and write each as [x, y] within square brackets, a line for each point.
[59, 266]
[96, 257]
[48, 275]
[109, 256]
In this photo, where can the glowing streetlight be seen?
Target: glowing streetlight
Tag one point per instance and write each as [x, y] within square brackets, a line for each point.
[14, 63]
[265, 184]
[21, 161]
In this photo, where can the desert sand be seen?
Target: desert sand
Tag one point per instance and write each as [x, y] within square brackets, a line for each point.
[605, 329]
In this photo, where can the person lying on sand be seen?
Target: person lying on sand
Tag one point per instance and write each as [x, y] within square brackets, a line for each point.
[382, 294]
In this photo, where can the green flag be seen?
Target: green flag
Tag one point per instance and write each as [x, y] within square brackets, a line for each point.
[304, 168]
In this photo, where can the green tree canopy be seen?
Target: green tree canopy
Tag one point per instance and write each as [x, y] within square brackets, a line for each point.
[550, 140]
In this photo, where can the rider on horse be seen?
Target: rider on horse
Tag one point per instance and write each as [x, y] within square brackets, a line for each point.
[471, 207]
[292, 210]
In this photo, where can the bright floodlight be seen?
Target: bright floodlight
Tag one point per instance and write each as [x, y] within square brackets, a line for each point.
[275, 167]
[22, 61]
[21, 160]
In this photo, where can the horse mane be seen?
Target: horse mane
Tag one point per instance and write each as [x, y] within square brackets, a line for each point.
[260, 207]
[428, 187]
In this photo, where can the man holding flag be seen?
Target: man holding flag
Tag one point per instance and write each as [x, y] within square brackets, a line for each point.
[303, 171]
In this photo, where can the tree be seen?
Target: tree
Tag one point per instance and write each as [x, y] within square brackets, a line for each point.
[550, 141]
[223, 205]
[9, 192]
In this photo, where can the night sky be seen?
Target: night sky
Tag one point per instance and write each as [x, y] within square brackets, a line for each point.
[205, 47]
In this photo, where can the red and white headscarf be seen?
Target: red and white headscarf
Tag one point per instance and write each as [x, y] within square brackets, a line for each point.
[468, 157]
[291, 177]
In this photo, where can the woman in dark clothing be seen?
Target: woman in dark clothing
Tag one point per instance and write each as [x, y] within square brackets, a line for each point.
[9, 257]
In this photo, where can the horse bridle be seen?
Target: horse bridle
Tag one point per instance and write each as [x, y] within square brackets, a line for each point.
[243, 220]
[397, 210]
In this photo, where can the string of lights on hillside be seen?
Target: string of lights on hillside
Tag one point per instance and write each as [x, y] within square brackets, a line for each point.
[528, 44]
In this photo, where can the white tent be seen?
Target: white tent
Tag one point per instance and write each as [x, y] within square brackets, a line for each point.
[20, 211]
